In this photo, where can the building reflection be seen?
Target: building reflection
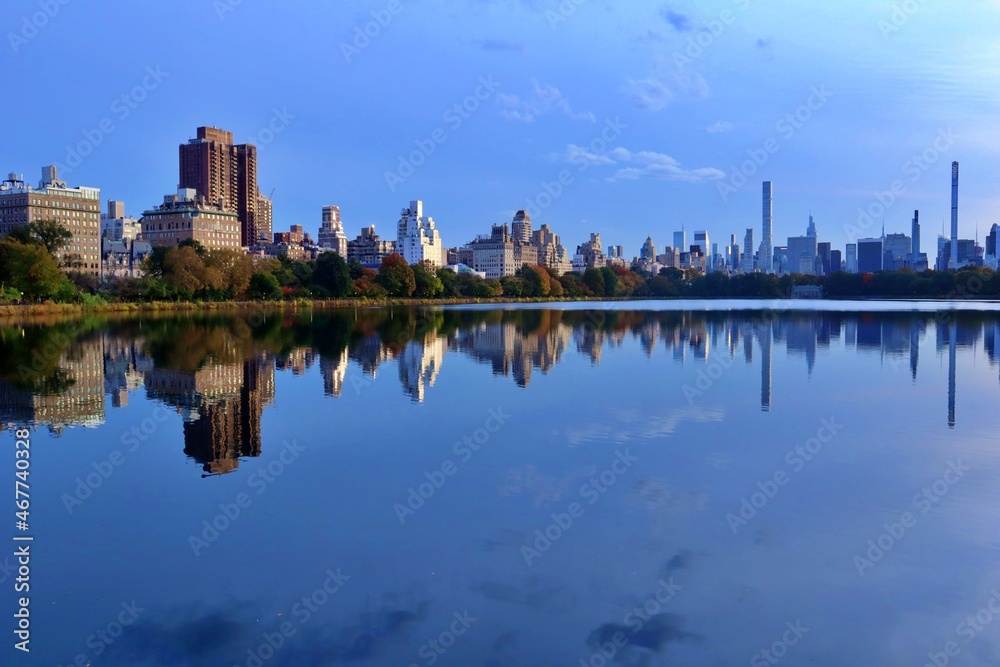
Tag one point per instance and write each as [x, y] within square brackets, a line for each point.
[221, 384]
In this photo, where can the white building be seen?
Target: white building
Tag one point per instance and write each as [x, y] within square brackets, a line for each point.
[417, 238]
[331, 231]
[115, 226]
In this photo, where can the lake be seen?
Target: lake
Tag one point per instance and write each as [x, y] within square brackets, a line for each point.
[643, 483]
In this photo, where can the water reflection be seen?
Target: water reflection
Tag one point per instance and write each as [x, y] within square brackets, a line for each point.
[218, 373]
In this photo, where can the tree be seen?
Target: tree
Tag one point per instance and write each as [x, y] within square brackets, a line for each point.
[233, 268]
[428, 284]
[264, 286]
[594, 280]
[396, 276]
[450, 283]
[333, 274]
[612, 286]
[185, 270]
[537, 280]
[31, 269]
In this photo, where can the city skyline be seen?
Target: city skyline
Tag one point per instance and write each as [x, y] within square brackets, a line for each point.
[532, 119]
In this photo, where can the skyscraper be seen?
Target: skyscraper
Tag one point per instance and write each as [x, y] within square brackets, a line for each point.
[748, 251]
[225, 173]
[417, 237]
[915, 234]
[520, 228]
[331, 231]
[768, 218]
[953, 264]
[852, 257]
[811, 229]
[680, 241]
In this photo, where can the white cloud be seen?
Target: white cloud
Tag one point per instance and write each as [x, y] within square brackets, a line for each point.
[544, 99]
[642, 164]
[721, 126]
[664, 84]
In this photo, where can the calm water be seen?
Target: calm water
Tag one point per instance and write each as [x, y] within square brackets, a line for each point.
[668, 485]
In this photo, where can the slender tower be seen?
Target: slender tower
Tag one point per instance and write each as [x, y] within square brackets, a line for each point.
[767, 251]
[954, 215]
[915, 233]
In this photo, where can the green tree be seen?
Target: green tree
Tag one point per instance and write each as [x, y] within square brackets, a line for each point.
[32, 270]
[594, 280]
[264, 286]
[612, 286]
[396, 276]
[428, 284]
[333, 274]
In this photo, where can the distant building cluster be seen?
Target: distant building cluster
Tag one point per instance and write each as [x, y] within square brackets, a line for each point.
[219, 205]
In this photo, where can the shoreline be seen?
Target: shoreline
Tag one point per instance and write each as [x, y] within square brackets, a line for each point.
[17, 311]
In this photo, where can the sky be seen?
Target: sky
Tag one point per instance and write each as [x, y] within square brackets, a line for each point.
[631, 119]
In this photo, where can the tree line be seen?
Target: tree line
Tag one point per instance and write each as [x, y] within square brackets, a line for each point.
[30, 271]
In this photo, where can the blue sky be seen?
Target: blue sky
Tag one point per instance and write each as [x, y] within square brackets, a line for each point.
[644, 110]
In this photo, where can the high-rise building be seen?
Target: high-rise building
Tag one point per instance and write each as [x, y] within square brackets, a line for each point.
[551, 252]
[590, 254]
[852, 257]
[836, 261]
[811, 229]
[991, 248]
[116, 226]
[520, 228]
[499, 255]
[915, 233]
[265, 217]
[870, 255]
[768, 218]
[897, 250]
[225, 175]
[823, 259]
[954, 264]
[77, 209]
[648, 252]
[802, 254]
[331, 231]
[417, 237]
[368, 249]
[680, 241]
[748, 246]
[188, 216]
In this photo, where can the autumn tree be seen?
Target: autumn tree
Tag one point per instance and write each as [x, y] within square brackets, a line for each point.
[396, 276]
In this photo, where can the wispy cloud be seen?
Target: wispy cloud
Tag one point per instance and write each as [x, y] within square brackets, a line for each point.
[721, 126]
[545, 99]
[635, 165]
[661, 87]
